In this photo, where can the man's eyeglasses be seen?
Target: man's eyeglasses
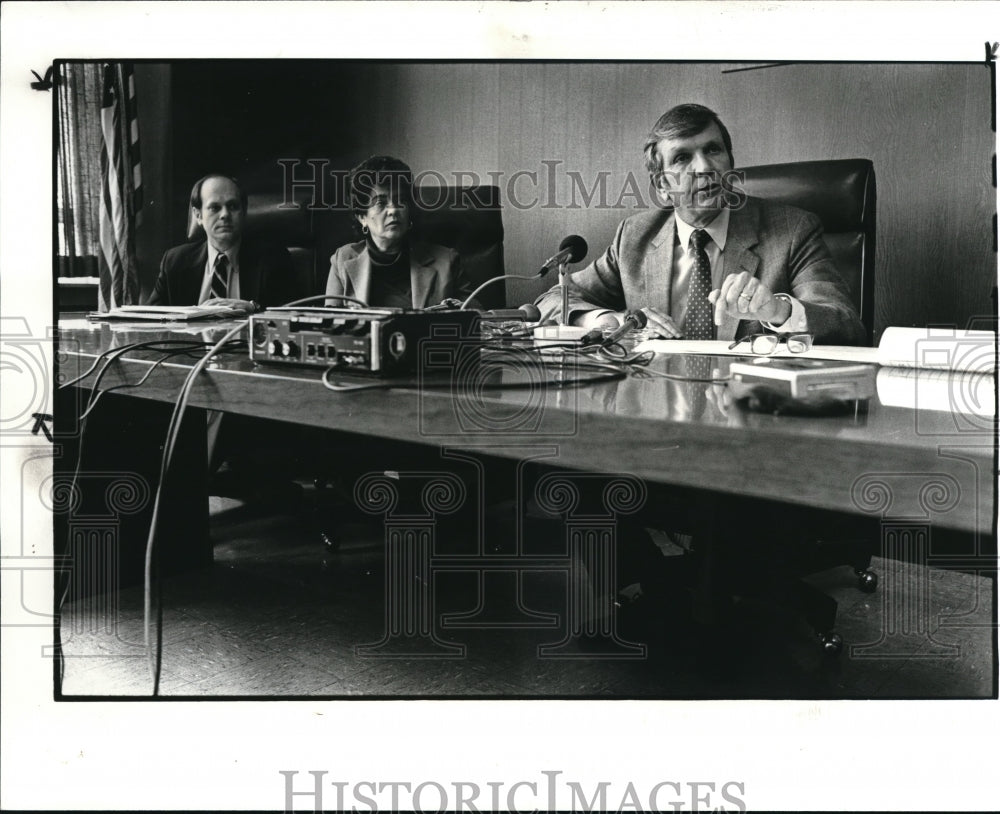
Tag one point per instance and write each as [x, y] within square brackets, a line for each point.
[764, 344]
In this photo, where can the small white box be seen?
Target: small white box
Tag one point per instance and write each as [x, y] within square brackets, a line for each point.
[804, 378]
[558, 334]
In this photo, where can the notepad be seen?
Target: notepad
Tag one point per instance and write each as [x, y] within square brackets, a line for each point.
[168, 313]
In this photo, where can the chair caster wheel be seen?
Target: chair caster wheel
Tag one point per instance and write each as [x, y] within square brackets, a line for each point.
[867, 581]
[330, 542]
[832, 644]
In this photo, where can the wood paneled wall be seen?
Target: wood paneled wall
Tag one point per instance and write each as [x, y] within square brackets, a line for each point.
[926, 127]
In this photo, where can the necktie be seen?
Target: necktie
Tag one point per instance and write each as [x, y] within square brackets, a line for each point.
[220, 277]
[698, 323]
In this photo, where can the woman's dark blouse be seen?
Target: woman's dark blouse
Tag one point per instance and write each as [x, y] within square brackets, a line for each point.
[390, 286]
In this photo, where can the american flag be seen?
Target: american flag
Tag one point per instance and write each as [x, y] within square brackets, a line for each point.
[121, 189]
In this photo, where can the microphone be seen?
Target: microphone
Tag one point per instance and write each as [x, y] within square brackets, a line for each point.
[525, 313]
[633, 321]
[572, 250]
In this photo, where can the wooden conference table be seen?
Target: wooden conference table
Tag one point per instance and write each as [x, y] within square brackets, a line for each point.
[896, 466]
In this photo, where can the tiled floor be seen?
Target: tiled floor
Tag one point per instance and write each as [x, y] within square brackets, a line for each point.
[279, 616]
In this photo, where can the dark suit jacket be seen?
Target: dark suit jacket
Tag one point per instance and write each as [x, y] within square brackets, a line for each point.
[780, 245]
[266, 274]
[435, 274]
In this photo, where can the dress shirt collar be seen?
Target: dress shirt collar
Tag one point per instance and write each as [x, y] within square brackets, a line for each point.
[232, 253]
[717, 229]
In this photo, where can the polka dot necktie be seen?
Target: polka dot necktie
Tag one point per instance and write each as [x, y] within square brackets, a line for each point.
[698, 323]
[220, 277]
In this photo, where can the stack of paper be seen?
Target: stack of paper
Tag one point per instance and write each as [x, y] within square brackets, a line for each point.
[169, 313]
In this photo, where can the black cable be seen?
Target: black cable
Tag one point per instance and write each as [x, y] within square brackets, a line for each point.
[140, 382]
[113, 354]
[91, 401]
[173, 430]
[95, 398]
[96, 362]
[324, 297]
[639, 363]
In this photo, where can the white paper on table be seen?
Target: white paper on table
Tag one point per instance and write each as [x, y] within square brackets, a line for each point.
[925, 348]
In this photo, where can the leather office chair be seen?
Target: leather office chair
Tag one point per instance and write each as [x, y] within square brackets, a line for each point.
[842, 194]
[269, 216]
[468, 220]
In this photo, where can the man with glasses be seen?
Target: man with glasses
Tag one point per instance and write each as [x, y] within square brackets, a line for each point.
[720, 264]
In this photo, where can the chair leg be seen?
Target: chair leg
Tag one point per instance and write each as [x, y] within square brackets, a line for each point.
[818, 609]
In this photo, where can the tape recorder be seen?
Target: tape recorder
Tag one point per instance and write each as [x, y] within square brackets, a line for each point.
[370, 340]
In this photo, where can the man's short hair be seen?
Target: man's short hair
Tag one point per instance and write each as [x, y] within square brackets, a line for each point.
[682, 121]
[196, 189]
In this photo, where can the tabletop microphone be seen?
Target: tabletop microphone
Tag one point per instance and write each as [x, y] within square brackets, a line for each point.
[525, 313]
[633, 321]
[572, 250]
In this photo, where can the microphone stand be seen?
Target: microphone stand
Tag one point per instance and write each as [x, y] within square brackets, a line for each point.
[563, 332]
[564, 291]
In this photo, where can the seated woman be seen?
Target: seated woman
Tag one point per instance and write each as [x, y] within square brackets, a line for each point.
[391, 266]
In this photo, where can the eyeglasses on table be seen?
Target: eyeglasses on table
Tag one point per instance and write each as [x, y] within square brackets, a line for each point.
[766, 344]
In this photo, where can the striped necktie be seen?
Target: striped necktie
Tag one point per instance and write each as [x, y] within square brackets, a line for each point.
[220, 277]
[698, 322]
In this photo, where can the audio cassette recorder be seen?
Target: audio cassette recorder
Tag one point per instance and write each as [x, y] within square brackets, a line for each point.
[385, 341]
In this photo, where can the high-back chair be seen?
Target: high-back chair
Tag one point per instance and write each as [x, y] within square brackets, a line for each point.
[841, 193]
[468, 220]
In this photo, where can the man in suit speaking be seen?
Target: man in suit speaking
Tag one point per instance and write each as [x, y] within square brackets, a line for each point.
[225, 267]
[711, 263]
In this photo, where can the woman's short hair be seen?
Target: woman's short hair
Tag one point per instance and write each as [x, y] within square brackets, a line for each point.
[380, 171]
[196, 189]
[681, 121]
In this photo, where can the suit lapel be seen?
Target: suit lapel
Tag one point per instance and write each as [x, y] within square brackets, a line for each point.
[423, 275]
[658, 268]
[193, 275]
[739, 256]
[359, 272]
